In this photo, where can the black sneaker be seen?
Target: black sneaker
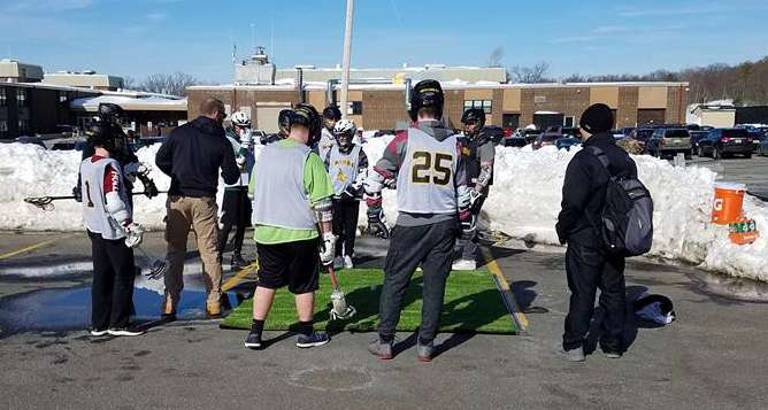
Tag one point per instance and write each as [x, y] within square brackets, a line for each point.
[253, 340]
[124, 331]
[238, 262]
[314, 340]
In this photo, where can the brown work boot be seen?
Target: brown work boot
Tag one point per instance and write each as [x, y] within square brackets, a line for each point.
[213, 310]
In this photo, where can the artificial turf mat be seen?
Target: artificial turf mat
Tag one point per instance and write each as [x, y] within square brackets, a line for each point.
[472, 304]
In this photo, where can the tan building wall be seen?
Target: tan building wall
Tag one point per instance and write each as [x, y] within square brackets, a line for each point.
[606, 95]
[384, 108]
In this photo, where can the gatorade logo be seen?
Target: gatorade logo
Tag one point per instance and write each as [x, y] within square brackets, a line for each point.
[719, 204]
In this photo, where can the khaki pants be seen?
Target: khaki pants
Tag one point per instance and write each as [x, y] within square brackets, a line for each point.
[198, 214]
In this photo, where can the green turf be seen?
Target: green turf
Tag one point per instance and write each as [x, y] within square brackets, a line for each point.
[472, 304]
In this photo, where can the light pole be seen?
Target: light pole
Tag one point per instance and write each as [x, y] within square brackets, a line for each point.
[347, 58]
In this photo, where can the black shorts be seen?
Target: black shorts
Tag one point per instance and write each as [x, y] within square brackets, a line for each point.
[236, 207]
[295, 264]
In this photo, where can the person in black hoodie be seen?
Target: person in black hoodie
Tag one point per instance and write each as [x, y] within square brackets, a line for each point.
[588, 265]
[192, 156]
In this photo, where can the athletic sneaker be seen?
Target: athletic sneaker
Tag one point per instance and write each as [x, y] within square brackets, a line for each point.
[348, 262]
[382, 350]
[464, 264]
[573, 355]
[338, 262]
[424, 352]
[253, 340]
[125, 331]
[314, 340]
[98, 332]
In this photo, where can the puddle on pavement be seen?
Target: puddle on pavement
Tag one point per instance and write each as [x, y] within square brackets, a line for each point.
[61, 309]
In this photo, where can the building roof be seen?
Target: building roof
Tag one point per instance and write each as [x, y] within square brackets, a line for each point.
[85, 79]
[130, 103]
[285, 85]
[16, 69]
[438, 72]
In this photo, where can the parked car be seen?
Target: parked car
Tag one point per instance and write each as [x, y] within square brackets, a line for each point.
[514, 140]
[757, 136]
[63, 146]
[696, 136]
[725, 142]
[567, 142]
[641, 135]
[665, 141]
[31, 140]
[530, 135]
[546, 138]
[494, 132]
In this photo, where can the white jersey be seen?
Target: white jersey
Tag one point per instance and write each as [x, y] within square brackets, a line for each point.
[343, 168]
[425, 184]
[280, 198]
[95, 214]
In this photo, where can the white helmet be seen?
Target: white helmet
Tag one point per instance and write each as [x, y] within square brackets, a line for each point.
[241, 119]
[345, 127]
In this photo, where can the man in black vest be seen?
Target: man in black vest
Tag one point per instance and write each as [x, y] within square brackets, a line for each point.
[478, 151]
[587, 264]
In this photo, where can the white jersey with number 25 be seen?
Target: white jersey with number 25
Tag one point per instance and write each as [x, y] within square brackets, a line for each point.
[425, 182]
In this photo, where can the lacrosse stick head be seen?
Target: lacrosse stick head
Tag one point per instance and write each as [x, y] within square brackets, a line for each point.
[340, 310]
[43, 202]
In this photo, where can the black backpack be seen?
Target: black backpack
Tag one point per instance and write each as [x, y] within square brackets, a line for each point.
[627, 216]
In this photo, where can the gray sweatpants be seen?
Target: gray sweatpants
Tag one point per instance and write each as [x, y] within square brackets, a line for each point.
[430, 246]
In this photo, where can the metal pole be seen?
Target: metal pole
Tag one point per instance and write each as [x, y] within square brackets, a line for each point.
[347, 58]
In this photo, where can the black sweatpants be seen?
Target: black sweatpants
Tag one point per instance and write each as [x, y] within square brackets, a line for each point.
[112, 291]
[589, 269]
[345, 214]
[236, 209]
[430, 246]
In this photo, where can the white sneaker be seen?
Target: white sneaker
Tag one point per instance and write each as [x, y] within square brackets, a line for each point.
[97, 332]
[348, 262]
[338, 262]
[125, 331]
[464, 264]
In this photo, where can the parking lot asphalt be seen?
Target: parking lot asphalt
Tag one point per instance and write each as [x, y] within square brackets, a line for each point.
[712, 357]
[753, 171]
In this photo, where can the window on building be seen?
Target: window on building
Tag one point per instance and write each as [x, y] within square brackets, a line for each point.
[3, 98]
[510, 121]
[3, 128]
[23, 126]
[62, 97]
[486, 105]
[21, 97]
[355, 108]
[569, 121]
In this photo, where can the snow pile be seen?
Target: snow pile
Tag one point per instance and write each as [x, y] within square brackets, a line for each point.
[30, 170]
[524, 201]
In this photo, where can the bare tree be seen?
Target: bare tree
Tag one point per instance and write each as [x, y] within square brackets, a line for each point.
[173, 84]
[531, 75]
[129, 83]
[496, 56]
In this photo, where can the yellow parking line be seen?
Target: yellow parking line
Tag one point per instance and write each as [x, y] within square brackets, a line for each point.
[240, 276]
[493, 266]
[33, 247]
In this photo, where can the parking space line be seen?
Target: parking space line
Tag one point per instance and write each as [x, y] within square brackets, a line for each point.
[240, 276]
[521, 320]
[33, 247]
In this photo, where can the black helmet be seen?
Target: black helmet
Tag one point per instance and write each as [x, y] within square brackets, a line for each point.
[284, 122]
[426, 94]
[475, 116]
[332, 112]
[306, 115]
[109, 111]
[99, 135]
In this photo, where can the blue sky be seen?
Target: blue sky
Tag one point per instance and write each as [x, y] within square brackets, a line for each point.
[140, 37]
